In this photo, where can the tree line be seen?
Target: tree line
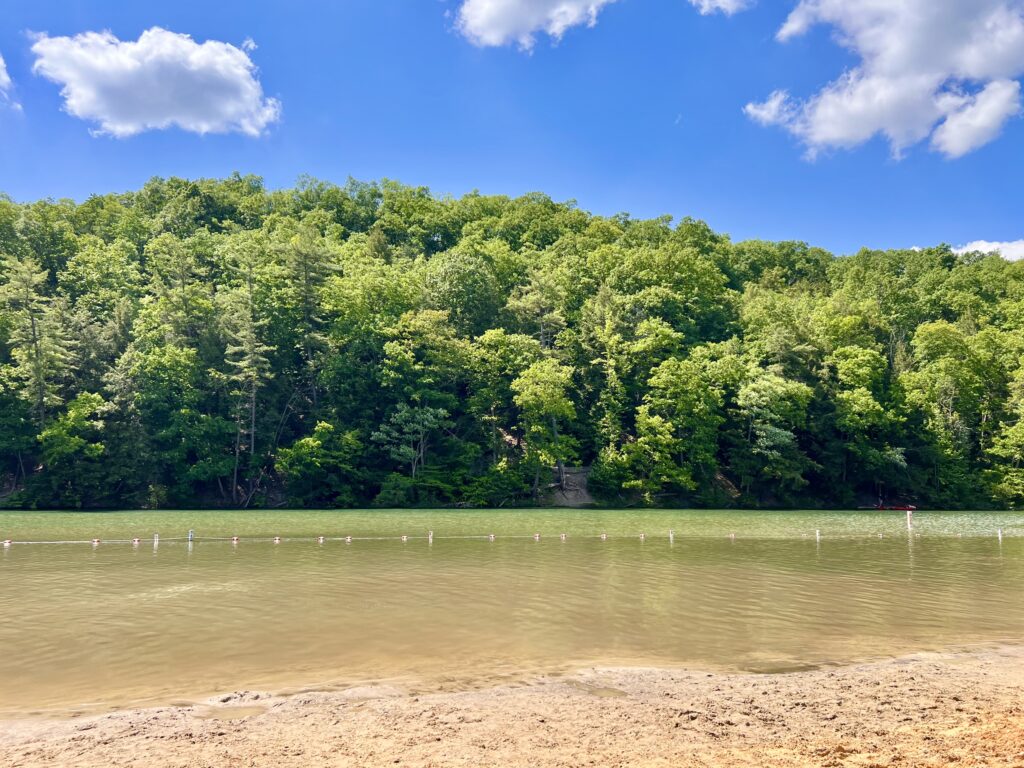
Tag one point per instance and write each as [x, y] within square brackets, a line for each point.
[215, 343]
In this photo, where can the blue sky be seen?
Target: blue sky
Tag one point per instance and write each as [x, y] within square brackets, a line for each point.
[775, 120]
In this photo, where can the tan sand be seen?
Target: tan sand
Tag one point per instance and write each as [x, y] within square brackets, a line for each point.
[927, 710]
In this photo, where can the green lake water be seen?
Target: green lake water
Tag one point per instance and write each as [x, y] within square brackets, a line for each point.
[86, 627]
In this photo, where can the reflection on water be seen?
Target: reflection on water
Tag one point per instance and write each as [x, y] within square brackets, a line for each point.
[115, 625]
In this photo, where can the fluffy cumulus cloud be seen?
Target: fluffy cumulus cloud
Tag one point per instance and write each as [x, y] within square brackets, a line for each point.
[940, 69]
[1012, 250]
[161, 80]
[499, 22]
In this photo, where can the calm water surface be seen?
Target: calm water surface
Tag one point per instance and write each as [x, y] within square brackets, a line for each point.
[85, 627]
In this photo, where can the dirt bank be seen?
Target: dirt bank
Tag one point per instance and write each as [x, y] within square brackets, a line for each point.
[929, 710]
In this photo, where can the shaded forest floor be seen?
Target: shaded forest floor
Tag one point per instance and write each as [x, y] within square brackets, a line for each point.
[926, 710]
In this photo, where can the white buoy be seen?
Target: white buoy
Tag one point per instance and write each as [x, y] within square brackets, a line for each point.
[319, 539]
[348, 539]
[671, 536]
[135, 542]
[536, 537]
[277, 539]
[95, 542]
[404, 538]
[490, 537]
[234, 539]
[191, 535]
[430, 537]
[562, 537]
[643, 537]
[999, 533]
[156, 540]
[7, 543]
[817, 535]
[604, 537]
[732, 537]
[910, 519]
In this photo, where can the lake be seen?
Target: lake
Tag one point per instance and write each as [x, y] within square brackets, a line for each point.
[86, 627]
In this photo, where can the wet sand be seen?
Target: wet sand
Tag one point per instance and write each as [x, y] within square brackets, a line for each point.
[927, 710]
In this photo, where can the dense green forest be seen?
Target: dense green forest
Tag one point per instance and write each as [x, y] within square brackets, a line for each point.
[213, 343]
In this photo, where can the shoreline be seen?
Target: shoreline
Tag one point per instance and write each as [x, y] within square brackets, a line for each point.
[927, 709]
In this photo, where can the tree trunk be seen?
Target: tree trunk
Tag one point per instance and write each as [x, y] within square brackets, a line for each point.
[558, 461]
[238, 449]
[252, 436]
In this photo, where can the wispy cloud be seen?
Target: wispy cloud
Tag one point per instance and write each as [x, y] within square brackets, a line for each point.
[6, 86]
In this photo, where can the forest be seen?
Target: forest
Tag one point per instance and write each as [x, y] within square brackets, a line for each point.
[214, 343]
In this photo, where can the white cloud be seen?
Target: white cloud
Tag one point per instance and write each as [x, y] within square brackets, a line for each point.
[1012, 250]
[728, 7]
[5, 79]
[945, 70]
[161, 80]
[979, 120]
[6, 86]
[777, 109]
[499, 22]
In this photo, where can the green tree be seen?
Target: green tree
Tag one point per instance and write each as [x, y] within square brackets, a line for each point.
[40, 353]
[542, 394]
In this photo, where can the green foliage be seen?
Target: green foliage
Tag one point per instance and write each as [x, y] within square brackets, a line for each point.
[213, 343]
[322, 469]
[71, 450]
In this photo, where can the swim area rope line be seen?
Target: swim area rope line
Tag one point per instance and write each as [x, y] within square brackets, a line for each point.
[430, 537]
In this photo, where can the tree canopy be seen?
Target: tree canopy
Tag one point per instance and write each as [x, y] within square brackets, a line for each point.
[216, 343]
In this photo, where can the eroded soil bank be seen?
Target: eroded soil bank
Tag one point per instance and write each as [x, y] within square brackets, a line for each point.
[927, 710]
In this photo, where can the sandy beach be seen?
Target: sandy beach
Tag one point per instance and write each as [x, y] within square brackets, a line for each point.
[962, 709]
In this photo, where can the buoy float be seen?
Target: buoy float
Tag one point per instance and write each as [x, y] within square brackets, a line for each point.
[671, 536]
[604, 537]
[643, 537]
[536, 537]
[562, 537]
[404, 538]
[95, 542]
[234, 539]
[135, 542]
[7, 542]
[319, 539]
[277, 539]
[490, 537]
[348, 539]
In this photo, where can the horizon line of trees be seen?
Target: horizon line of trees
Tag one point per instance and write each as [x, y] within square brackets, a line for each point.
[215, 343]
